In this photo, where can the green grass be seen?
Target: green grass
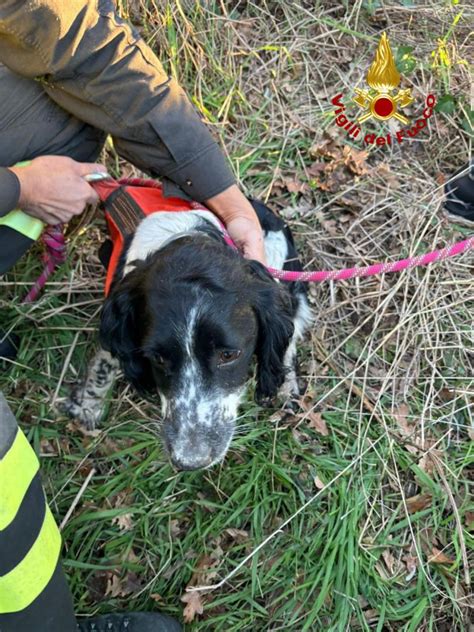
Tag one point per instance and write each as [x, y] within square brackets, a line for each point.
[358, 557]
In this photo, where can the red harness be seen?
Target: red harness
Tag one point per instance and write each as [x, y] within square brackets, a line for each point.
[126, 203]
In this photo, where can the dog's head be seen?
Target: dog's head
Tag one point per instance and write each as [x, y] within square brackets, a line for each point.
[185, 324]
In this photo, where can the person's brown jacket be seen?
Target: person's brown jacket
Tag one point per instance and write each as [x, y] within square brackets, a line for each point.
[96, 67]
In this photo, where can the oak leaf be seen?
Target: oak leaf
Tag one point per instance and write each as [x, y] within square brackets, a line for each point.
[194, 606]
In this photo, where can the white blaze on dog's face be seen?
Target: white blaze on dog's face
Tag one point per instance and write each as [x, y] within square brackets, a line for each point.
[200, 365]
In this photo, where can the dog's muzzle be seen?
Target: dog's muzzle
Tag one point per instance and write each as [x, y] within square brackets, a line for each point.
[197, 436]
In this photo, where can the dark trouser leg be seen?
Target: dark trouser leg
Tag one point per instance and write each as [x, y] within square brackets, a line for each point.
[13, 246]
[32, 125]
[34, 596]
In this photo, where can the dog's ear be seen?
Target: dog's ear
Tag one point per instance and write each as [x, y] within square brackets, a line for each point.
[274, 311]
[122, 322]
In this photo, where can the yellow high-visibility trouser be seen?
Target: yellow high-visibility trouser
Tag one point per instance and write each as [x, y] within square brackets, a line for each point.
[30, 541]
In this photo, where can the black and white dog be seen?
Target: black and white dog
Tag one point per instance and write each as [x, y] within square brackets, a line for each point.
[185, 316]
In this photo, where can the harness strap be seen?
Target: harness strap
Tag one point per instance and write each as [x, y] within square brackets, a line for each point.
[125, 213]
[126, 202]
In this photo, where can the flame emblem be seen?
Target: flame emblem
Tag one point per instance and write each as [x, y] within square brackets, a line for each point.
[383, 77]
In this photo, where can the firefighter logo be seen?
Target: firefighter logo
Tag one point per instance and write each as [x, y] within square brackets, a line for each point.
[383, 78]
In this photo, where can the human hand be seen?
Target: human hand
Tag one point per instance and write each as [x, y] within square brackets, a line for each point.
[53, 188]
[248, 237]
[241, 221]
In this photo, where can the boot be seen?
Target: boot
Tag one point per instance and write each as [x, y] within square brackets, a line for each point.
[130, 622]
[459, 204]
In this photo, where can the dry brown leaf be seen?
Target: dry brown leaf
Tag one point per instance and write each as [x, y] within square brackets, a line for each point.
[328, 149]
[123, 521]
[401, 417]
[78, 427]
[331, 226]
[156, 597]
[411, 562]
[428, 461]
[294, 185]
[405, 427]
[239, 535]
[418, 502]
[319, 483]
[317, 423]
[114, 586]
[194, 606]
[440, 178]
[355, 160]
[175, 528]
[438, 557]
[390, 562]
[371, 615]
[48, 448]
[204, 571]
[469, 518]
[382, 571]
[317, 168]
[122, 586]
[383, 170]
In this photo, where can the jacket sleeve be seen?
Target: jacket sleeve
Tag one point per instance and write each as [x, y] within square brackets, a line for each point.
[9, 191]
[96, 67]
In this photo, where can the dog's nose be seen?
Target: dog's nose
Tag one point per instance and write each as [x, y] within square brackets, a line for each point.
[190, 464]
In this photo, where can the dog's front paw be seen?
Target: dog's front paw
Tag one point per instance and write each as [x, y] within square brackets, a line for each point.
[87, 400]
[82, 406]
[290, 389]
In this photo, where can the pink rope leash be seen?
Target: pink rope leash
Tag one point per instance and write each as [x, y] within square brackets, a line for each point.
[319, 276]
[376, 268]
[56, 253]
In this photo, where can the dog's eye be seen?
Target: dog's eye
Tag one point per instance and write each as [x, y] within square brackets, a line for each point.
[228, 355]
